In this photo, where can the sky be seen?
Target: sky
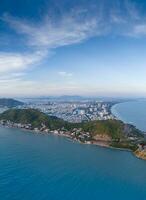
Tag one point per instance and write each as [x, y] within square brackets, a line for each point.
[73, 47]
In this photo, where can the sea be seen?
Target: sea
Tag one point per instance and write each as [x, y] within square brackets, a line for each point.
[49, 167]
[132, 112]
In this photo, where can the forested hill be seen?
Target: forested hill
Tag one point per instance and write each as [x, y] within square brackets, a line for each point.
[113, 128]
[111, 132]
[33, 117]
[9, 102]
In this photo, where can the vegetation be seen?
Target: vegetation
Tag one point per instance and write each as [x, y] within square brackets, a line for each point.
[112, 128]
[115, 129]
[124, 145]
[118, 133]
[10, 103]
[33, 117]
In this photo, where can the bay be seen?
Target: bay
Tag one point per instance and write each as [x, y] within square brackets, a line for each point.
[133, 112]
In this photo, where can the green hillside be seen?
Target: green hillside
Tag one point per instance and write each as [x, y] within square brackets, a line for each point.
[9, 102]
[117, 133]
[113, 128]
[33, 117]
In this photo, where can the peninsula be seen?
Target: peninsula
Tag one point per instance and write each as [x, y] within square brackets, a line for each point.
[109, 133]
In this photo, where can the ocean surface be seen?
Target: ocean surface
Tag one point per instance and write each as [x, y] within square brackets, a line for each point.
[133, 112]
[48, 167]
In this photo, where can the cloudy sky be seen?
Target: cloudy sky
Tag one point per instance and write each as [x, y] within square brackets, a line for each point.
[81, 47]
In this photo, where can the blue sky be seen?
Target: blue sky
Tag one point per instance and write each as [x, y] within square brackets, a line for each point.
[78, 47]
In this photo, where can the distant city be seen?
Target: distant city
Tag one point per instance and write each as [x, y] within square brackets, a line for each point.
[74, 109]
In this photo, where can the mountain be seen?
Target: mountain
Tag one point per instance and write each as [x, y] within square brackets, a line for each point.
[70, 98]
[33, 117]
[10, 102]
[64, 98]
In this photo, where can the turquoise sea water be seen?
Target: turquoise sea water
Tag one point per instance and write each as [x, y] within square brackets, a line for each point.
[47, 167]
[133, 112]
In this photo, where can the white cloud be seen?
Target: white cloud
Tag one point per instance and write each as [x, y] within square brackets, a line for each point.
[133, 11]
[13, 68]
[140, 29]
[15, 63]
[42, 37]
[67, 30]
[128, 21]
[79, 25]
[65, 74]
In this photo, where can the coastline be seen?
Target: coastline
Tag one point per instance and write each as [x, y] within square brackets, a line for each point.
[127, 120]
[140, 154]
[99, 144]
[117, 116]
[82, 136]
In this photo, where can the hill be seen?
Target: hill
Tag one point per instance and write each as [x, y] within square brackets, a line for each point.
[9, 102]
[114, 133]
[110, 132]
[115, 129]
[33, 117]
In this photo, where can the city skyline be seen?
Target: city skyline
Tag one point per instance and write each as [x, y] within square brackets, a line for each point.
[87, 48]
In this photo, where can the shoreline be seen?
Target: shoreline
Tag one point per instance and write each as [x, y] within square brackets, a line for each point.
[99, 144]
[118, 117]
[83, 134]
